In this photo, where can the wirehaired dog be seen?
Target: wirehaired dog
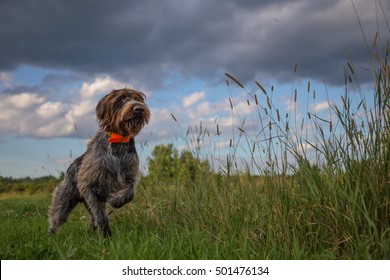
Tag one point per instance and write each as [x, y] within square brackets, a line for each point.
[108, 171]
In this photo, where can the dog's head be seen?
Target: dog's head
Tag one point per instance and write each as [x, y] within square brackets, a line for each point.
[123, 112]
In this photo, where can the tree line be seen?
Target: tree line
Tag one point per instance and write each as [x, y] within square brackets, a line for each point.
[166, 164]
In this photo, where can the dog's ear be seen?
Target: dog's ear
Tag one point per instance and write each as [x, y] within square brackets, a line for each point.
[100, 109]
[102, 113]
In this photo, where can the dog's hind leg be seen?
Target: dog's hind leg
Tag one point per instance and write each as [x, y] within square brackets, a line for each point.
[65, 198]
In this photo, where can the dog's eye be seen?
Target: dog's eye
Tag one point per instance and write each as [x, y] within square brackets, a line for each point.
[139, 98]
[119, 103]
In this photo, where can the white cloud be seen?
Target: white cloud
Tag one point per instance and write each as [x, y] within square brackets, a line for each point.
[32, 114]
[24, 100]
[193, 98]
[51, 109]
[243, 108]
[321, 106]
[17, 107]
[56, 127]
[100, 86]
[29, 114]
[223, 144]
[83, 108]
[205, 108]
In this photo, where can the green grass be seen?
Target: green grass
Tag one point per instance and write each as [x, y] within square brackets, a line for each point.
[216, 217]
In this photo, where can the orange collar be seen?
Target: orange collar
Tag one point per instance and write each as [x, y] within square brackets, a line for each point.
[116, 138]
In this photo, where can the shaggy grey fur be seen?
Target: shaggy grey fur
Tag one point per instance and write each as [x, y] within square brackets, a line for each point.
[106, 172]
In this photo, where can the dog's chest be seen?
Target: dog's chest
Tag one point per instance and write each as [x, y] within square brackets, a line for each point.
[115, 165]
[121, 158]
[123, 165]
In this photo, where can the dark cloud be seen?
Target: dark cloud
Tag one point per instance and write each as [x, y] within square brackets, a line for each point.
[145, 40]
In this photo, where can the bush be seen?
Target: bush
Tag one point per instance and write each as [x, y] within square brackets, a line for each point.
[168, 166]
[28, 185]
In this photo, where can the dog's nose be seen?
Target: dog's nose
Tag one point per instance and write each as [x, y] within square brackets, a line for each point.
[138, 109]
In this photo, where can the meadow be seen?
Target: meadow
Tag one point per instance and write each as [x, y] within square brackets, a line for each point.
[317, 187]
[213, 217]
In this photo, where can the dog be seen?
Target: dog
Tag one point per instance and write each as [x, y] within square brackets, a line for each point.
[108, 172]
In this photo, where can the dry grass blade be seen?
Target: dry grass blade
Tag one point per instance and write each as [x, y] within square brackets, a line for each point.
[319, 118]
[269, 103]
[371, 128]
[257, 102]
[234, 80]
[361, 104]
[376, 39]
[344, 102]
[174, 117]
[350, 68]
[261, 87]
[231, 103]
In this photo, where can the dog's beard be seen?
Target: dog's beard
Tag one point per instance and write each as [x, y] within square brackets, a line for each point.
[132, 122]
[133, 126]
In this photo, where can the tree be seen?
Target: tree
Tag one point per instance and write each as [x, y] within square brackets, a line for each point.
[168, 166]
[164, 162]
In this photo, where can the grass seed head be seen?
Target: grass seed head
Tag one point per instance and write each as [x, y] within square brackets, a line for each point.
[269, 103]
[257, 102]
[173, 117]
[234, 80]
[261, 87]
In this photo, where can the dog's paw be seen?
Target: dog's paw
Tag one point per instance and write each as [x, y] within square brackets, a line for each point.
[51, 231]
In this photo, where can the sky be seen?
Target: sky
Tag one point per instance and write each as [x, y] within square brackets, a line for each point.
[59, 58]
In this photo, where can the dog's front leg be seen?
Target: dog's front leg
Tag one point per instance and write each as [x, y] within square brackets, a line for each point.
[97, 209]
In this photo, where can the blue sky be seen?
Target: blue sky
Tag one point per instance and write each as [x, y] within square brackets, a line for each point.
[58, 58]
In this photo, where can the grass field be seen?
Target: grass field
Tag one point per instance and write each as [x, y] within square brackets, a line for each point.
[234, 217]
[321, 191]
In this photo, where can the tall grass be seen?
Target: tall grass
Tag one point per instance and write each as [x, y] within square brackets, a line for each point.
[323, 184]
[341, 195]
